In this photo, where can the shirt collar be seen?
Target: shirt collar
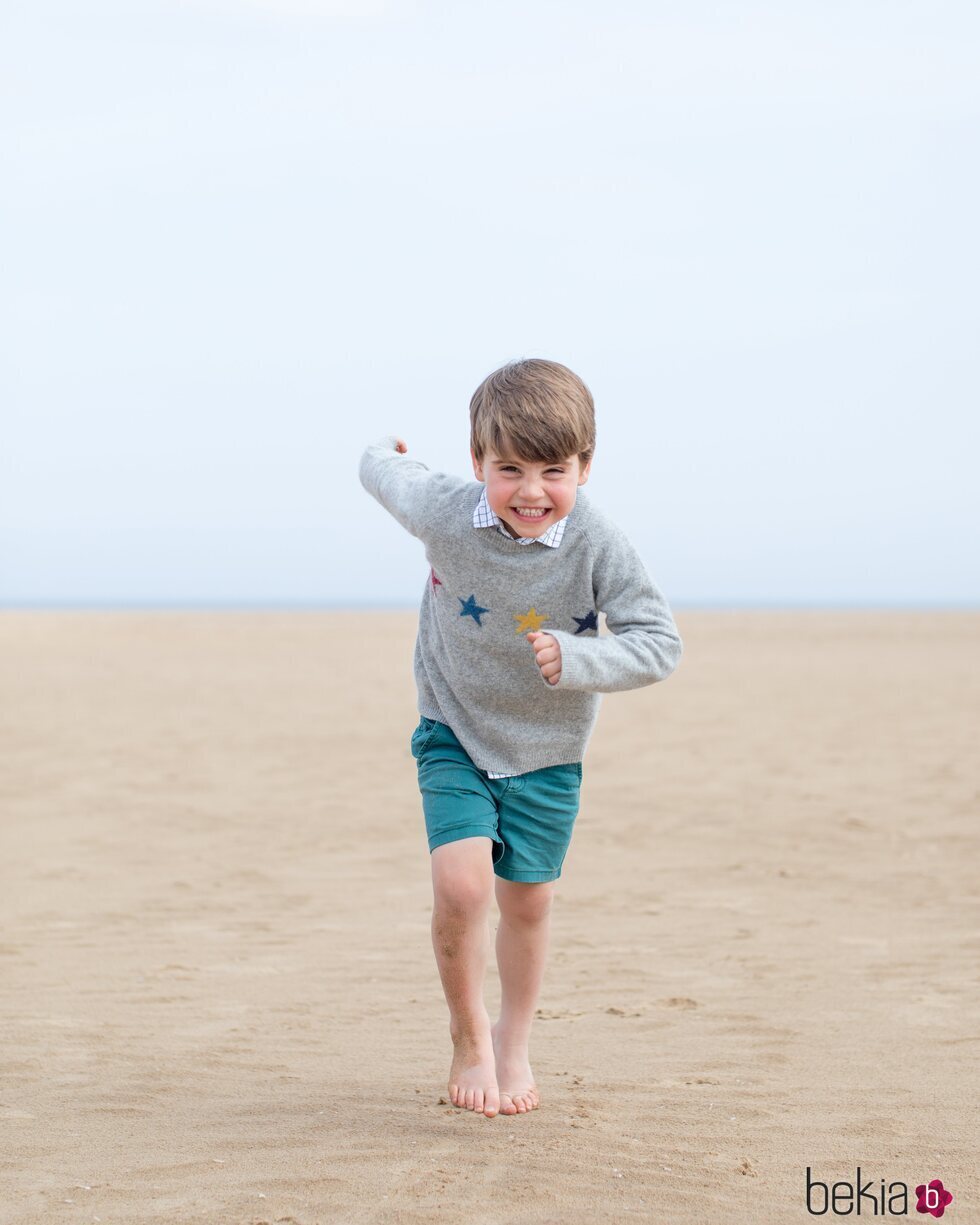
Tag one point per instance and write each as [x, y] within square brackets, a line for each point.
[483, 516]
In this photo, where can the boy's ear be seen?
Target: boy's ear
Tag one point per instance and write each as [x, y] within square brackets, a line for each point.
[477, 465]
[584, 473]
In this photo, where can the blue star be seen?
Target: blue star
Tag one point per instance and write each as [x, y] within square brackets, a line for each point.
[588, 622]
[471, 609]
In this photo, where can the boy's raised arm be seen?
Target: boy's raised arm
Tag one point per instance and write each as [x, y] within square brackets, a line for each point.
[643, 645]
[405, 487]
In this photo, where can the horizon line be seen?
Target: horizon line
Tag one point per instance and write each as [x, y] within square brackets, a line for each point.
[300, 606]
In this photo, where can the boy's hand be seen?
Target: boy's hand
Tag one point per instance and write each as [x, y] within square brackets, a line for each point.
[547, 655]
[400, 446]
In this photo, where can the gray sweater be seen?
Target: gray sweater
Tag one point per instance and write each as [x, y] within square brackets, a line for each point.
[474, 667]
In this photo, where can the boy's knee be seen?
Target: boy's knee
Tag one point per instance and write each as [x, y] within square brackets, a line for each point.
[461, 876]
[522, 902]
[461, 893]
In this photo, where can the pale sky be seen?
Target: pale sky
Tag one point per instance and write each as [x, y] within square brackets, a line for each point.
[243, 238]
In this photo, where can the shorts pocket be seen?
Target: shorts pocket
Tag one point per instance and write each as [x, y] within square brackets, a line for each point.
[422, 735]
[570, 772]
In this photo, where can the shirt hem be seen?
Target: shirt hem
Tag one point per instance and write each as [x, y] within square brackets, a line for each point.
[528, 767]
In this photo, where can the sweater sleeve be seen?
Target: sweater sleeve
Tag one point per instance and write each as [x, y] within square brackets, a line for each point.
[643, 645]
[406, 488]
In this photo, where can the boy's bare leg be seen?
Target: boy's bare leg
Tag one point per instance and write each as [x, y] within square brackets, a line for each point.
[462, 873]
[522, 946]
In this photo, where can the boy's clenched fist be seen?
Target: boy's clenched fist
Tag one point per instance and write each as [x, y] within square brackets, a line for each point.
[547, 655]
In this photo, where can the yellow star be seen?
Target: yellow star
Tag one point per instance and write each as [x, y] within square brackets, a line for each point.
[530, 622]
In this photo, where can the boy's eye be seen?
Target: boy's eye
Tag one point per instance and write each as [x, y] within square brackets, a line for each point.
[557, 471]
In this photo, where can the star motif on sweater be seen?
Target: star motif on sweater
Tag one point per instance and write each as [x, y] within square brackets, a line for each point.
[436, 582]
[529, 622]
[471, 609]
[588, 622]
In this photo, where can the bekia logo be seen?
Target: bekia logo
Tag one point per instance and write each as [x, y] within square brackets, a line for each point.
[843, 1198]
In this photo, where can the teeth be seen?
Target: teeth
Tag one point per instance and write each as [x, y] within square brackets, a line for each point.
[527, 513]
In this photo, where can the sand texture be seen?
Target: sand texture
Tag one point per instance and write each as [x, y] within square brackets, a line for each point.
[218, 997]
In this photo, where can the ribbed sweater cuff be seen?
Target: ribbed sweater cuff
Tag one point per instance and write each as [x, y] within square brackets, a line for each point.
[572, 651]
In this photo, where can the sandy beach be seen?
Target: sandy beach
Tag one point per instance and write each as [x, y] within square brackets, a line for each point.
[218, 997]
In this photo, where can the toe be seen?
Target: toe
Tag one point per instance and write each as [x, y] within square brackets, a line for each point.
[491, 1104]
[507, 1105]
[478, 1100]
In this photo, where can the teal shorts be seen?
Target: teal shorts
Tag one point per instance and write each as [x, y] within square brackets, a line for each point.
[529, 818]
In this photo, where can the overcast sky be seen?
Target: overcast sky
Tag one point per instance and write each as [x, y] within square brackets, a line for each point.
[243, 238]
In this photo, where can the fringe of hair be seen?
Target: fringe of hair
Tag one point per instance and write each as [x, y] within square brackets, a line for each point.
[535, 410]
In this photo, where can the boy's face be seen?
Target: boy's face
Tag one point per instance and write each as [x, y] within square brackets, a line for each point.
[516, 488]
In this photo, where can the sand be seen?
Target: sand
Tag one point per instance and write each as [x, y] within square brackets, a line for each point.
[218, 996]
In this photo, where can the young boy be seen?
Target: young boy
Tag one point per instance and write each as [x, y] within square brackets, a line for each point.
[509, 666]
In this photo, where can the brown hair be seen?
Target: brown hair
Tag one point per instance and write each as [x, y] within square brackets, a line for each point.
[537, 409]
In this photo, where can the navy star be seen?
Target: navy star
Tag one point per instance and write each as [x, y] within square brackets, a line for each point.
[471, 609]
[588, 622]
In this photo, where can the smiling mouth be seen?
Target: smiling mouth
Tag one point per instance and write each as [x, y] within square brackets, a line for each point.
[526, 512]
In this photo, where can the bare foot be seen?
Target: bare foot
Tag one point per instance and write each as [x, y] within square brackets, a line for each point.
[472, 1083]
[518, 1092]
